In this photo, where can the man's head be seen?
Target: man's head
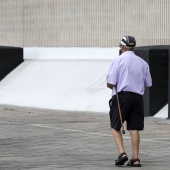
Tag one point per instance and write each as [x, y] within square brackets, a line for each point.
[127, 43]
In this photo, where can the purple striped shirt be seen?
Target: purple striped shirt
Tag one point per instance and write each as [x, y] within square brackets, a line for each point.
[130, 73]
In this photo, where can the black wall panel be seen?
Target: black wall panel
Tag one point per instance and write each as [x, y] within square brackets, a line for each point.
[10, 58]
[156, 97]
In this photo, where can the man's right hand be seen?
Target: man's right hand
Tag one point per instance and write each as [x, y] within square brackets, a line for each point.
[110, 86]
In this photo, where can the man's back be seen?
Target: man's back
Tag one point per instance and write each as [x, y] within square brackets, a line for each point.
[130, 73]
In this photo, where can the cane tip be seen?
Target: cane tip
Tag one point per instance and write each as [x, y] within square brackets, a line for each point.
[123, 131]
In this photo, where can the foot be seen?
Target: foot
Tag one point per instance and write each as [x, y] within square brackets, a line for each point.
[134, 163]
[121, 159]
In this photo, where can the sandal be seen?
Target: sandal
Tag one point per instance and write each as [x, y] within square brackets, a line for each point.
[132, 163]
[121, 159]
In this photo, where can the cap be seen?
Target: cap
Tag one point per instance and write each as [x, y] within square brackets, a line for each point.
[128, 41]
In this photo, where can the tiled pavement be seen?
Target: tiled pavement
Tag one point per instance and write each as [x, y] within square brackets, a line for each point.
[39, 139]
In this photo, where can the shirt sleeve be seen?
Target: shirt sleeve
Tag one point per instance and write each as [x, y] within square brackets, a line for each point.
[148, 79]
[112, 74]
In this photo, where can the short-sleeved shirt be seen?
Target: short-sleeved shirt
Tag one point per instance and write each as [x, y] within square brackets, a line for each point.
[129, 73]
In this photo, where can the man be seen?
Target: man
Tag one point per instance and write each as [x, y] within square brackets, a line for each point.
[129, 75]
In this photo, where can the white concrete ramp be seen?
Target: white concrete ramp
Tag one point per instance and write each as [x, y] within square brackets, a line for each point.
[49, 79]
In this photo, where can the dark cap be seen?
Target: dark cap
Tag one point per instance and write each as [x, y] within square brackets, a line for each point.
[128, 41]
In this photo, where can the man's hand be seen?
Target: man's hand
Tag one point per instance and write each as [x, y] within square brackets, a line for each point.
[110, 86]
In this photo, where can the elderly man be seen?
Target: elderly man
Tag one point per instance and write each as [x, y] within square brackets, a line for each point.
[128, 75]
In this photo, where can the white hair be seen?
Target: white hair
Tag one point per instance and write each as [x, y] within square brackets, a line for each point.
[129, 48]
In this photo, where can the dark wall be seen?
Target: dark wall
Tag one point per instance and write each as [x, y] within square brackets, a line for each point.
[156, 97]
[10, 58]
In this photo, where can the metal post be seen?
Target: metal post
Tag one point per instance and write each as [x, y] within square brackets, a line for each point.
[169, 85]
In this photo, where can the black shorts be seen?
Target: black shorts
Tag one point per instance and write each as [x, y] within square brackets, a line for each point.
[132, 109]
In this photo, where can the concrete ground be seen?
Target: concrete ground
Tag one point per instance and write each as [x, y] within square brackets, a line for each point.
[39, 139]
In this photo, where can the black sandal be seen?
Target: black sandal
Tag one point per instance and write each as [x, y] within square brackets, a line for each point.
[121, 159]
[132, 163]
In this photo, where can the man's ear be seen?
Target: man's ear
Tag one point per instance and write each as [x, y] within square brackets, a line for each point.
[123, 48]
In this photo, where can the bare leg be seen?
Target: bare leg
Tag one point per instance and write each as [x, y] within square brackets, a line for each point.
[135, 141]
[118, 140]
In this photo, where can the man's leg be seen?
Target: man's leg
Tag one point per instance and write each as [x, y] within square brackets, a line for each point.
[135, 141]
[118, 140]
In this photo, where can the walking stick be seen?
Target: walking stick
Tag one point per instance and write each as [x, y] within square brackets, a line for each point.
[120, 113]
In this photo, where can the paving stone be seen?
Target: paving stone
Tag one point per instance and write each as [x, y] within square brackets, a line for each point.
[41, 139]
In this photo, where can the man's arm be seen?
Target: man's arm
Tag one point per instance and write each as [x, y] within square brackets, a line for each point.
[148, 79]
[111, 78]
